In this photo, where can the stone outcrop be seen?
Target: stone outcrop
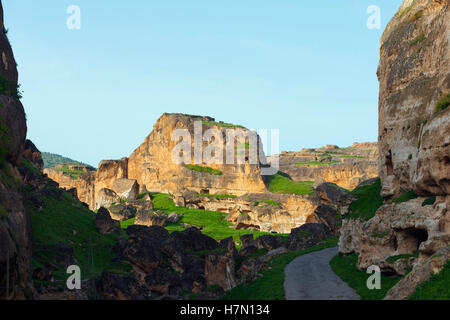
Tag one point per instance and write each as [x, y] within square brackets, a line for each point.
[151, 163]
[414, 76]
[104, 222]
[346, 167]
[82, 179]
[414, 148]
[264, 211]
[15, 226]
[32, 153]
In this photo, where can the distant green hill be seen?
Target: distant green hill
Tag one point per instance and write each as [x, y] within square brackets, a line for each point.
[51, 160]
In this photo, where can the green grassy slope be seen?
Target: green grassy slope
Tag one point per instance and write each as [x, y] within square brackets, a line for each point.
[66, 220]
[437, 288]
[51, 160]
[213, 223]
[367, 203]
[279, 183]
[271, 285]
[345, 268]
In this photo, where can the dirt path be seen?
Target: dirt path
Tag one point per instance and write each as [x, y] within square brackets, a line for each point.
[310, 277]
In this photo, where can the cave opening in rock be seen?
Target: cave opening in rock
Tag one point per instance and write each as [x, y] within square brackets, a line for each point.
[389, 164]
[409, 240]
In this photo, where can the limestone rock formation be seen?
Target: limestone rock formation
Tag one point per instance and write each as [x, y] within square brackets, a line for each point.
[346, 167]
[414, 75]
[151, 163]
[264, 211]
[77, 176]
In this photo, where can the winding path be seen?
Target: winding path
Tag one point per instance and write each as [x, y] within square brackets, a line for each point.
[310, 277]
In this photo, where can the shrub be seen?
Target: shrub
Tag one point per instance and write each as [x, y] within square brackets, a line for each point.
[268, 201]
[429, 201]
[443, 104]
[409, 195]
[367, 203]
[418, 39]
[279, 183]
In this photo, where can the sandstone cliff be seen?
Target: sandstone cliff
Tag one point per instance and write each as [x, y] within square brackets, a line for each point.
[150, 164]
[414, 147]
[346, 167]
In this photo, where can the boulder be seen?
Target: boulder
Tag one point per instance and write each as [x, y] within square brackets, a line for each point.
[220, 270]
[104, 222]
[127, 189]
[143, 247]
[105, 198]
[122, 212]
[247, 240]
[173, 218]
[332, 194]
[306, 236]
[164, 282]
[329, 216]
[150, 218]
[269, 242]
[191, 239]
[121, 287]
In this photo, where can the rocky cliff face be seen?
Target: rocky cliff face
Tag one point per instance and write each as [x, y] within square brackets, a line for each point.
[15, 228]
[414, 76]
[414, 133]
[151, 165]
[346, 167]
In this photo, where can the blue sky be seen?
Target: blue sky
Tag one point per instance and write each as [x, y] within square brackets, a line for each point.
[307, 68]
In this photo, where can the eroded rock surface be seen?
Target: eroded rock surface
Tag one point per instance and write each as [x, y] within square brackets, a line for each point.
[346, 167]
[414, 75]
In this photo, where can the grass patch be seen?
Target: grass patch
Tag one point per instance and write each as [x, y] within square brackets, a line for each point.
[67, 220]
[367, 203]
[281, 184]
[203, 169]
[418, 39]
[436, 288]
[270, 286]
[409, 195]
[217, 196]
[268, 201]
[74, 174]
[222, 124]
[352, 157]
[345, 268]
[10, 88]
[443, 104]
[213, 223]
[29, 166]
[317, 163]
[429, 201]
[392, 259]
[3, 213]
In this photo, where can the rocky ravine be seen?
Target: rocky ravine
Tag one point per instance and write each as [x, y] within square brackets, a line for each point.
[346, 167]
[414, 144]
[243, 192]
